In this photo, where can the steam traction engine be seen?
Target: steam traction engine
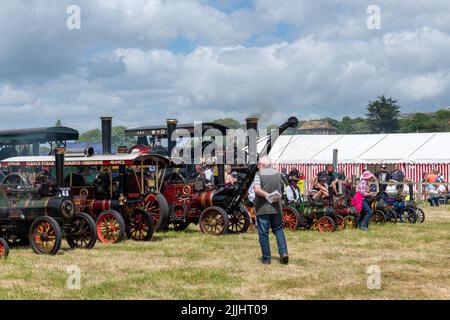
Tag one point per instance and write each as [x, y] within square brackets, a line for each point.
[40, 211]
[112, 188]
[218, 210]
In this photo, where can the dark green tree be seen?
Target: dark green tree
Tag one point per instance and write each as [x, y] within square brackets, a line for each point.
[383, 115]
[94, 135]
[229, 122]
[119, 138]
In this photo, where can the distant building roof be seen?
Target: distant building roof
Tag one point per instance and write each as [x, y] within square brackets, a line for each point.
[316, 125]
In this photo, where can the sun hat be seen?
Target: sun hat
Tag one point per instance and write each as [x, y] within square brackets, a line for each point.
[366, 175]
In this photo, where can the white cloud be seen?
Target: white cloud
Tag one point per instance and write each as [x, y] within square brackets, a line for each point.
[121, 62]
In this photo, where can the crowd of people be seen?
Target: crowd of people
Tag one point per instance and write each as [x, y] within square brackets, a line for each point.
[326, 186]
[436, 188]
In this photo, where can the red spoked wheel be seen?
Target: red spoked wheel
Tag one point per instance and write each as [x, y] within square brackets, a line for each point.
[4, 248]
[110, 227]
[326, 224]
[140, 226]
[45, 235]
[214, 221]
[291, 218]
[156, 204]
[340, 222]
[350, 222]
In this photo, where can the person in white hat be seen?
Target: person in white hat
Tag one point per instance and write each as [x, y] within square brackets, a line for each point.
[363, 188]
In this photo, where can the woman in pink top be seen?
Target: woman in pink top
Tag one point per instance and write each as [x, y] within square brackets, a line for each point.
[364, 193]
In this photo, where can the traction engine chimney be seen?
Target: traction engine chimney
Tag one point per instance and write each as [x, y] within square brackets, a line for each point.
[252, 139]
[59, 167]
[171, 127]
[106, 135]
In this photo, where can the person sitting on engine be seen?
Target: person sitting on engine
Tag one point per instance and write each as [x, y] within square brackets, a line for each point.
[292, 190]
[229, 179]
[321, 188]
[102, 183]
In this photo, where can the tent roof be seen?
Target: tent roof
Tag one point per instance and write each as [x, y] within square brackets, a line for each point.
[363, 148]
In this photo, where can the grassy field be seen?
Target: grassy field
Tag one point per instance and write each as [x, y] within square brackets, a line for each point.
[414, 261]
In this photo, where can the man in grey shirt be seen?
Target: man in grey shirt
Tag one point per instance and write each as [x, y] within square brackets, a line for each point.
[268, 180]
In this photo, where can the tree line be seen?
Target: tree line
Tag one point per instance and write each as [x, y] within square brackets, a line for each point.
[383, 116]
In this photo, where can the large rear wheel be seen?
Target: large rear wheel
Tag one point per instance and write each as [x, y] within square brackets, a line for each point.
[110, 227]
[291, 218]
[214, 221]
[83, 232]
[156, 204]
[141, 226]
[45, 235]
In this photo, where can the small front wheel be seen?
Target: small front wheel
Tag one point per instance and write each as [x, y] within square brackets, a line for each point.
[325, 224]
[141, 227]
[420, 214]
[45, 235]
[239, 221]
[378, 217]
[340, 222]
[350, 222]
[110, 227]
[4, 248]
[83, 233]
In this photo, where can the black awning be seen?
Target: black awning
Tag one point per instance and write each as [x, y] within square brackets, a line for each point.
[161, 131]
[37, 135]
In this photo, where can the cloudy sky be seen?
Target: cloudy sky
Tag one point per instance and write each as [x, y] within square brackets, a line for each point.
[143, 61]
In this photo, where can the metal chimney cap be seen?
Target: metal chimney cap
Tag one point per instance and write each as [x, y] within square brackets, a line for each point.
[251, 120]
[60, 150]
[172, 121]
[106, 118]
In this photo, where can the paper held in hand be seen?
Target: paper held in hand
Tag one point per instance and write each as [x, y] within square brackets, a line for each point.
[273, 197]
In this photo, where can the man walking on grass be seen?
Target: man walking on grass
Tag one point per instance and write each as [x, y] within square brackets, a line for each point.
[268, 187]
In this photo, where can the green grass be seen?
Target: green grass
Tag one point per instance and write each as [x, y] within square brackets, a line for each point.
[414, 262]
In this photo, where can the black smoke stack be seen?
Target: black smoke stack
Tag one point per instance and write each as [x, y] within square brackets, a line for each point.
[171, 127]
[252, 139]
[59, 167]
[106, 135]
